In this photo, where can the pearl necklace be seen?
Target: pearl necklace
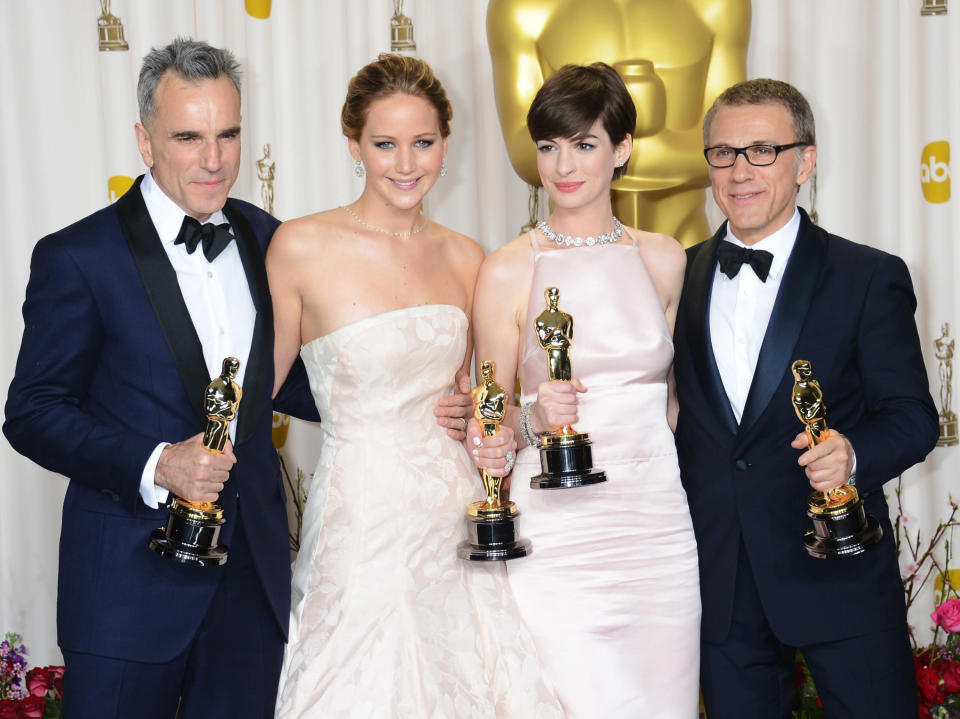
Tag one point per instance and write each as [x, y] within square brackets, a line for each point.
[355, 216]
[568, 240]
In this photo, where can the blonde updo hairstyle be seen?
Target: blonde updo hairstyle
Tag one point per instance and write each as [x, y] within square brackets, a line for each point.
[388, 75]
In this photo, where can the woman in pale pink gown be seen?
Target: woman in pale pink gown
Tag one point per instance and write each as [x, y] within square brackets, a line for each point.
[610, 591]
[386, 620]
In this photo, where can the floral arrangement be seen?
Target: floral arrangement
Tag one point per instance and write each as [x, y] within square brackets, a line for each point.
[938, 666]
[33, 694]
[806, 701]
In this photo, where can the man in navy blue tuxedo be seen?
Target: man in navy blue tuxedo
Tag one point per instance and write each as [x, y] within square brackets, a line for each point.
[800, 293]
[128, 314]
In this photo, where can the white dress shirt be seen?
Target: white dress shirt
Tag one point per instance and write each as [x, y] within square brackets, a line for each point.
[740, 311]
[218, 300]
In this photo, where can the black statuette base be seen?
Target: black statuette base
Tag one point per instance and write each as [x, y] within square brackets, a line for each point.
[189, 540]
[566, 466]
[846, 534]
[490, 539]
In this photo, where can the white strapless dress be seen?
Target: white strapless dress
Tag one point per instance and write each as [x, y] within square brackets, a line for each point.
[386, 620]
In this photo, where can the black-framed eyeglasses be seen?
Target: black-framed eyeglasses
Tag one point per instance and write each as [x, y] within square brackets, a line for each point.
[722, 156]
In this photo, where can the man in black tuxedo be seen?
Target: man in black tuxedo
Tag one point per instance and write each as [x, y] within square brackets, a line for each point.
[128, 314]
[801, 293]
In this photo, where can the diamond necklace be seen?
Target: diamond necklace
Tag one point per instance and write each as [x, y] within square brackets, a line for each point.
[569, 240]
[355, 216]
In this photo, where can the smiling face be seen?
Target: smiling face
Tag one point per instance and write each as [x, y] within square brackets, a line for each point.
[758, 201]
[192, 142]
[402, 149]
[577, 172]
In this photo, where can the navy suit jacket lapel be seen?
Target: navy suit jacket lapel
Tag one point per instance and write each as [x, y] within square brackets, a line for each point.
[698, 289]
[160, 282]
[800, 280]
[260, 360]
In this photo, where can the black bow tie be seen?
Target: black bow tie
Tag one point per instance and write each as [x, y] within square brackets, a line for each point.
[732, 257]
[214, 238]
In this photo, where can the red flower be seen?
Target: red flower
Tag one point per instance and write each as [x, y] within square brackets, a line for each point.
[38, 681]
[56, 672]
[33, 707]
[950, 671]
[925, 712]
[10, 709]
[930, 690]
[798, 675]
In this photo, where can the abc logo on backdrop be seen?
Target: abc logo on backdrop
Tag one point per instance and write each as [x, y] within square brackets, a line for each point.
[935, 171]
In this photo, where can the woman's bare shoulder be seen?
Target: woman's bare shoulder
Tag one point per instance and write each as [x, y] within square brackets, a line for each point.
[661, 250]
[462, 248]
[302, 237]
[515, 257]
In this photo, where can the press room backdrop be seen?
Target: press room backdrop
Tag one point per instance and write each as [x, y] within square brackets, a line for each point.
[883, 79]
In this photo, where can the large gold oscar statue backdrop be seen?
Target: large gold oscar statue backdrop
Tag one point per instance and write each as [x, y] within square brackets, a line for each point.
[675, 56]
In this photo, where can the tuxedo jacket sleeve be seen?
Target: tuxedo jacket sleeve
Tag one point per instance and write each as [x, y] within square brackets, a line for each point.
[70, 390]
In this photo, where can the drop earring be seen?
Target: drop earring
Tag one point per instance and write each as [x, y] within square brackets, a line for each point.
[358, 169]
[443, 167]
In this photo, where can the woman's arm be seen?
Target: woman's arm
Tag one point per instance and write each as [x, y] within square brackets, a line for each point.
[284, 263]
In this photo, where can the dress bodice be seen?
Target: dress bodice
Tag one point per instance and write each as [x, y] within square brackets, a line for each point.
[384, 374]
[621, 347]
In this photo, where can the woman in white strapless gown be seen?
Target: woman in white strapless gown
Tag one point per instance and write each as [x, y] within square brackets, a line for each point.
[611, 591]
[386, 620]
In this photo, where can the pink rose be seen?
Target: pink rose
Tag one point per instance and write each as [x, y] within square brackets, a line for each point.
[33, 707]
[947, 615]
[10, 709]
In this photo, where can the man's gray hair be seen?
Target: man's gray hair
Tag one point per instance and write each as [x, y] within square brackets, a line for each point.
[193, 60]
[764, 91]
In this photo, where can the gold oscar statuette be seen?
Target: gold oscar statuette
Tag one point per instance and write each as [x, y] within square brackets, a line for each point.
[934, 7]
[566, 457]
[193, 528]
[110, 30]
[943, 346]
[401, 30]
[266, 171]
[841, 528]
[492, 521]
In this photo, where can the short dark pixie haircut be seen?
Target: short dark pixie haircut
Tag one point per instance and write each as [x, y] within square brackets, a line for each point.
[576, 96]
[764, 91]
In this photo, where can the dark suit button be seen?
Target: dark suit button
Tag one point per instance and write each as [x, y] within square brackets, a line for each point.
[742, 465]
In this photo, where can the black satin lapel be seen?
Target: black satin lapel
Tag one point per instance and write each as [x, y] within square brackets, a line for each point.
[160, 281]
[260, 359]
[800, 280]
[697, 289]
